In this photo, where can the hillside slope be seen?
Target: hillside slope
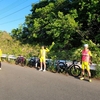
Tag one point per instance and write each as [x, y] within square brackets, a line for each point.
[14, 47]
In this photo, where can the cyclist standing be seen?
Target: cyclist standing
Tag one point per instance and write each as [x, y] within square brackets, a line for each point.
[86, 60]
[42, 55]
[43, 52]
[0, 58]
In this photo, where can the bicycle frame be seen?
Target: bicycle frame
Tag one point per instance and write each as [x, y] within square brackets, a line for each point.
[73, 69]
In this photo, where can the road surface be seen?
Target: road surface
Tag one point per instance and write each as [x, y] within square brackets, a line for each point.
[22, 83]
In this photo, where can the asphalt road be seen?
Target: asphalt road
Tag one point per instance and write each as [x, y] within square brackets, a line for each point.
[22, 83]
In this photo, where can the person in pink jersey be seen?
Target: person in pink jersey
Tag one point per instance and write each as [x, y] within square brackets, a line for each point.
[86, 61]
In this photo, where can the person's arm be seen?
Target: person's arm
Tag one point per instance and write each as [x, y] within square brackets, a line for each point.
[51, 46]
[90, 57]
[81, 60]
[47, 50]
[39, 55]
[81, 57]
[0, 53]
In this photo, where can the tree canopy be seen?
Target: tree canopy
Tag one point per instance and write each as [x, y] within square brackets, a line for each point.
[66, 22]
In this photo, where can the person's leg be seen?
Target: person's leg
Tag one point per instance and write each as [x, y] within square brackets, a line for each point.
[82, 76]
[83, 70]
[44, 66]
[41, 64]
[0, 65]
[89, 73]
[44, 63]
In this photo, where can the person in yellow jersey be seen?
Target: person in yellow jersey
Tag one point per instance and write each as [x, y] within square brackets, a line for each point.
[86, 61]
[0, 58]
[42, 55]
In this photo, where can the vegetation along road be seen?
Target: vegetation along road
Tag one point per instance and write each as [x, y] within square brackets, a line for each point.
[23, 83]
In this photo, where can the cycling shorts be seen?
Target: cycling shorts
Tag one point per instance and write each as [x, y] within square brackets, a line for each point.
[42, 59]
[85, 65]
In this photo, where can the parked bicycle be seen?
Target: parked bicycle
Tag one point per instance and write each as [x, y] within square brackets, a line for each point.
[33, 62]
[73, 69]
[20, 61]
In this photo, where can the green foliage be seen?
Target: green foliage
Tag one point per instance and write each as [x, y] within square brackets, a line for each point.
[52, 69]
[11, 46]
[48, 23]
[58, 20]
[98, 70]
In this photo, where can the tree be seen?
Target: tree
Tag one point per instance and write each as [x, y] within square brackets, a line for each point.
[67, 22]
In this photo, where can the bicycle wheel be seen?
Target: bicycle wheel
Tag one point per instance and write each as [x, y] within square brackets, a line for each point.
[75, 70]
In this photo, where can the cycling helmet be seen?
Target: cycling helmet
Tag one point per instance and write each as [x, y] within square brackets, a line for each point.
[85, 45]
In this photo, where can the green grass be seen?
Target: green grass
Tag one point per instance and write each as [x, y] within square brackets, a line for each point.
[11, 46]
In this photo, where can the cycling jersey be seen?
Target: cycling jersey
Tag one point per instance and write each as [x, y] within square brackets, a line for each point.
[43, 54]
[86, 55]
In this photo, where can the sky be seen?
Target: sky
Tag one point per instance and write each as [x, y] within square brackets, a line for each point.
[13, 12]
